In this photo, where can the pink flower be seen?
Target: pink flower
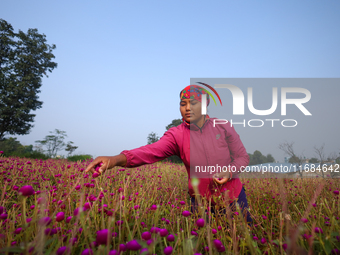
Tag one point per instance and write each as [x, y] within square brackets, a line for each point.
[168, 250]
[170, 238]
[26, 191]
[133, 245]
[186, 213]
[200, 223]
[146, 235]
[304, 220]
[163, 232]
[336, 192]
[60, 216]
[219, 246]
[102, 236]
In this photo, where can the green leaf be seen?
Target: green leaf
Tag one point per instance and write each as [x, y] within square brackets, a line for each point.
[328, 246]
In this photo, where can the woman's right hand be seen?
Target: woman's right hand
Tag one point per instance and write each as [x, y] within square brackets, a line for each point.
[100, 164]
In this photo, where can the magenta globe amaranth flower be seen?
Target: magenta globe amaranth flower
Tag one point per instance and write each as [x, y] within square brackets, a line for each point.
[102, 236]
[45, 221]
[62, 250]
[304, 220]
[214, 231]
[163, 232]
[200, 223]
[133, 245]
[87, 252]
[318, 230]
[26, 191]
[122, 247]
[60, 216]
[263, 240]
[336, 192]
[3, 216]
[186, 213]
[194, 233]
[17, 231]
[144, 251]
[170, 238]
[146, 235]
[219, 246]
[168, 250]
[113, 252]
[68, 219]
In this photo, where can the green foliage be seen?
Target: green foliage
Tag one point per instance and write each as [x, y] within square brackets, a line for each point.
[313, 160]
[11, 147]
[152, 138]
[54, 142]
[174, 123]
[70, 148]
[79, 157]
[258, 158]
[24, 59]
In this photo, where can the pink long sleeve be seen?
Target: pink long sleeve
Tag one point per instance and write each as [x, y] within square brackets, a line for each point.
[151, 153]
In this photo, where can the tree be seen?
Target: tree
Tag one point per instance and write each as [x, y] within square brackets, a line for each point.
[70, 149]
[294, 159]
[313, 160]
[152, 138]
[174, 123]
[24, 59]
[53, 142]
[270, 158]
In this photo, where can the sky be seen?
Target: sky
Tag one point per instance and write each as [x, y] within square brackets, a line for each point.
[122, 64]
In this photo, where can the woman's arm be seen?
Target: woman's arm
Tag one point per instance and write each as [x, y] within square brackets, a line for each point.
[147, 154]
[165, 147]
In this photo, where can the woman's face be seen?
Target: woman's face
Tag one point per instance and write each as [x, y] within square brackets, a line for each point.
[191, 110]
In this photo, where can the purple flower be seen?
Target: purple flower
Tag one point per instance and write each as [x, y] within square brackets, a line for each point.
[114, 252]
[102, 236]
[214, 231]
[186, 213]
[3, 216]
[200, 223]
[45, 221]
[255, 238]
[17, 231]
[146, 235]
[62, 250]
[119, 222]
[284, 246]
[60, 216]
[219, 246]
[122, 247]
[194, 233]
[153, 207]
[87, 252]
[168, 250]
[182, 203]
[26, 191]
[133, 245]
[336, 192]
[318, 230]
[68, 219]
[163, 232]
[263, 240]
[304, 220]
[170, 238]
[144, 251]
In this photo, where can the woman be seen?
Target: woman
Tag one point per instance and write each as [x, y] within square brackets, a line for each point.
[201, 145]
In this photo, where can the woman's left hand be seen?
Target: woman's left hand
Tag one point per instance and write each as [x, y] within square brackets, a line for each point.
[221, 178]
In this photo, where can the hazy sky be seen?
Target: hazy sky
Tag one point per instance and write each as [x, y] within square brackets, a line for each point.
[122, 64]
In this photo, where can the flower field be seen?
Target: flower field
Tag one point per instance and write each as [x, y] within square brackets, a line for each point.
[54, 207]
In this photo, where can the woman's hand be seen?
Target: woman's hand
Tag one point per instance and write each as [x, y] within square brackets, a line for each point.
[100, 164]
[221, 178]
